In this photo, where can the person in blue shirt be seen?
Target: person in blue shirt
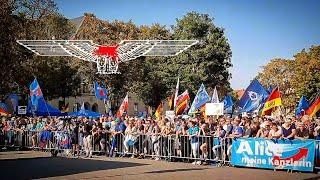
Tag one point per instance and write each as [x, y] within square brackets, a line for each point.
[120, 127]
[193, 133]
[237, 132]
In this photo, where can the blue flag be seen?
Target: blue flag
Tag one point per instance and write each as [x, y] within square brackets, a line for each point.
[14, 99]
[253, 97]
[4, 107]
[227, 102]
[35, 93]
[270, 89]
[302, 106]
[100, 92]
[201, 98]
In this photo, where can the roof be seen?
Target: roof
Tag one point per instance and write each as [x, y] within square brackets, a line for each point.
[239, 93]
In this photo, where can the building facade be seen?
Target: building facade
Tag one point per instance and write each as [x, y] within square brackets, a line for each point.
[90, 102]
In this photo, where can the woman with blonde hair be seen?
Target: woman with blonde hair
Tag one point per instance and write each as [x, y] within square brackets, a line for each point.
[129, 136]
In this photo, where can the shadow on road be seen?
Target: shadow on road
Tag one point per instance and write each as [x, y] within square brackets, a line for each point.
[44, 167]
[155, 172]
[176, 170]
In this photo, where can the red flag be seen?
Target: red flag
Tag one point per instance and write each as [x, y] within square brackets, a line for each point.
[182, 102]
[274, 100]
[123, 107]
[314, 108]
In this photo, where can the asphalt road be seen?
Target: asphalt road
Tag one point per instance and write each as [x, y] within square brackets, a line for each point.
[39, 165]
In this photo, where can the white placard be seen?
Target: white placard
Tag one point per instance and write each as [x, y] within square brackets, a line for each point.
[22, 109]
[214, 109]
[170, 115]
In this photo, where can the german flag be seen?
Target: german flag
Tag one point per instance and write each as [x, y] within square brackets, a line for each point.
[314, 108]
[274, 100]
[170, 102]
[202, 110]
[3, 112]
[159, 111]
[182, 102]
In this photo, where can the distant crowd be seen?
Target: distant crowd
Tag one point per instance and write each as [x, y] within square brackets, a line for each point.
[182, 137]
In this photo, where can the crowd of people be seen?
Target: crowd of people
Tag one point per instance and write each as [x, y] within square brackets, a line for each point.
[197, 138]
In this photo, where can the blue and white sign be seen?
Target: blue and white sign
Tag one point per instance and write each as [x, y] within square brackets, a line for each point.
[273, 154]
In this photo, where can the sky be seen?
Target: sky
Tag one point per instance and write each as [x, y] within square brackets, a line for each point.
[257, 30]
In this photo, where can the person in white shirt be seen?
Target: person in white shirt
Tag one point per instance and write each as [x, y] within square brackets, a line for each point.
[275, 132]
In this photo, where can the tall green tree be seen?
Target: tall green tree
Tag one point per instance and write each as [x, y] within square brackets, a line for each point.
[296, 77]
[34, 19]
[207, 62]
[151, 87]
[306, 76]
[279, 73]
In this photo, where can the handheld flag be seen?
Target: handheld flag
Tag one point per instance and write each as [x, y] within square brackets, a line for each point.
[65, 108]
[302, 106]
[176, 94]
[100, 92]
[4, 109]
[82, 107]
[35, 93]
[123, 107]
[274, 100]
[110, 113]
[314, 108]
[253, 97]
[215, 98]
[170, 102]
[14, 99]
[269, 90]
[159, 111]
[201, 98]
[227, 102]
[182, 102]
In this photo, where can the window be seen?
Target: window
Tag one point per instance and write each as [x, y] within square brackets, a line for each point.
[135, 107]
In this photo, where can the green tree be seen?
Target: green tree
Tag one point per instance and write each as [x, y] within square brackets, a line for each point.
[279, 73]
[208, 61]
[34, 19]
[151, 87]
[296, 77]
[306, 77]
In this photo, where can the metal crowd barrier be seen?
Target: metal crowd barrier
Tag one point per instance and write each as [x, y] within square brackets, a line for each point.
[205, 149]
[171, 147]
[317, 155]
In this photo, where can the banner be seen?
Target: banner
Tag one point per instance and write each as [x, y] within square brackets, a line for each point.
[317, 159]
[22, 110]
[214, 109]
[273, 154]
[170, 115]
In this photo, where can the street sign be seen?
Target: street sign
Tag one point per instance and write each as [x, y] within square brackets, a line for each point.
[22, 110]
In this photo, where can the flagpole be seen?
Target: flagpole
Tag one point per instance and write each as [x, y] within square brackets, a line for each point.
[32, 107]
[94, 90]
[176, 94]
[47, 108]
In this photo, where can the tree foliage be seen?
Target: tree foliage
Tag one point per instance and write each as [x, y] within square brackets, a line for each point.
[35, 19]
[151, 78]
[296, 77]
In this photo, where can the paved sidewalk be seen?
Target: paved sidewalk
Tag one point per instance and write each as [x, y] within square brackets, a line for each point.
[34, 165]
